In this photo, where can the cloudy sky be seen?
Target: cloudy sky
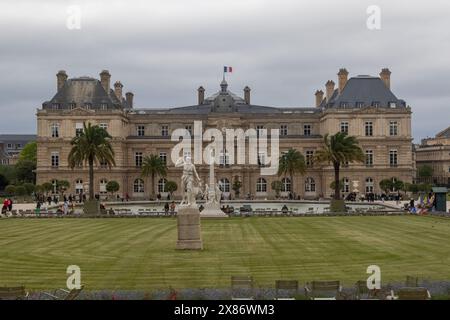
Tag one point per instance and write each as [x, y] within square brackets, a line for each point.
[162, 50]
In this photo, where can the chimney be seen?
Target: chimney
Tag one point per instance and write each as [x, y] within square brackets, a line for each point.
[342, 79]
[319, 97]
[118, 90]
[129, 97]
[247, 95]
[61, 78]
[330, 89]
[385, 75]
[105, 78]
[201, 95]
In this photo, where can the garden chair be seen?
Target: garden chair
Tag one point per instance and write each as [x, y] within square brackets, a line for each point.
[286, 287]
[323, 290]
[13, 293]
[63, 294]
[415, 293]
[242, 288]
[364, 293]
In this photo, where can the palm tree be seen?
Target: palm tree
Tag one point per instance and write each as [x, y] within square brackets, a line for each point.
[338, 149]
[153, 165]
[290, 163]
[91, 146]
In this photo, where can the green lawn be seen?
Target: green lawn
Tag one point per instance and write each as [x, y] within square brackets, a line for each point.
[140, 254]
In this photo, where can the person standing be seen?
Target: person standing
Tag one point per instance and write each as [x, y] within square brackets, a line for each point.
[166, 209]
[65, 208]
[10, 205]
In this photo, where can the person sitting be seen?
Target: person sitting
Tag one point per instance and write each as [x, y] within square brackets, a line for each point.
[284, 209]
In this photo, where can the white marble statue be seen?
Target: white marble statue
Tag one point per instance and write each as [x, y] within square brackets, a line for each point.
[191, 183]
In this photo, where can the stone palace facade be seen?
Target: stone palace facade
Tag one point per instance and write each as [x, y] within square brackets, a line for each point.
[363, 106]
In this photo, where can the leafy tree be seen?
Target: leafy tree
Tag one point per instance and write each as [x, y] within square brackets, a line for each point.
[25, 171]
[62, 185]
[29, 152]
[414, 188]
[386, 185]
[336, 150]
[21, 191]
[277, 185]
[152, 166]
[290, 163]
[237, 185]
[398, 185]
[91, 146]
[3, 181]
[112, 187]
[29, 187]
[39, 188]
[171, 187]
[9, 172]
[10, 190]
[425, 171]
[47, 187]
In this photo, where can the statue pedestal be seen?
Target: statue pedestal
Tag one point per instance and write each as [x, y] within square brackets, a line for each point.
[212, 210]
[189, 230]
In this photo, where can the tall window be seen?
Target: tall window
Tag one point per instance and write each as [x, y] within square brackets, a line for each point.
[346, 185]
[393, 158]
[104, 126]
[138, 186]
[163, 157]
[55, 159]
[393, 128]
[224, 158]
[259, 130]
[189, 129]
[285, 185]
[369, 158]
[310, 185]
[165, 130]
[261, 159]
[162, 185]
[104, 106]
[307, 129]
[309, 158]
[79, 186]
[369, 185]
[138, 159]
[55, 186]
[224, 185]
[78, 128]
[261, 185]
[344, 127]
[140, 131]
[369, 128]
[103, 183]
[283, 130]
[55, 130]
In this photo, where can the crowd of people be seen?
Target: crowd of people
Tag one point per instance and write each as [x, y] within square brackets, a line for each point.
[424, 205]
[7, 205]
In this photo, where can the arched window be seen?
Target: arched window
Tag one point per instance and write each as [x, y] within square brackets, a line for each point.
[369, 185]
[285, 185]
[346, 185]
[138, 186]
[261, 185]
[103, 183]
[310, 185]
[224, 185]
[162, 185]
[79, 186]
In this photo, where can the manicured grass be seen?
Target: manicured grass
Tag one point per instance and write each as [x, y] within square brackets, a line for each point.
[140, 254]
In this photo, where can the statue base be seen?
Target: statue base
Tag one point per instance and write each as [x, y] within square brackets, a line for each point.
[91, 207]
[189, 229]
[212, 211]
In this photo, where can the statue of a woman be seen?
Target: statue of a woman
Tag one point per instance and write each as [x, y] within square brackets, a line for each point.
[189, 179]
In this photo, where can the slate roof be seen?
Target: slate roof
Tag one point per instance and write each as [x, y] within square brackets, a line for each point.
[364, 91]
[84, 90]
[5, 138]
[444, 133]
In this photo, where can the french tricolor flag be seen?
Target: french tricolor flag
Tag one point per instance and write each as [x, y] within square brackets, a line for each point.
[227, 69]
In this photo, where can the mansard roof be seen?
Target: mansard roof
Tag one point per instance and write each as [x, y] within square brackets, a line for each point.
[444, 133]
[78, 92]
[364, 91]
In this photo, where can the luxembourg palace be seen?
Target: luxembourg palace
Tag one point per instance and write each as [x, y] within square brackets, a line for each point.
[363, 106]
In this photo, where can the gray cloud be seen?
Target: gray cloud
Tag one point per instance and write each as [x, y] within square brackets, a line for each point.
[284, 50]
